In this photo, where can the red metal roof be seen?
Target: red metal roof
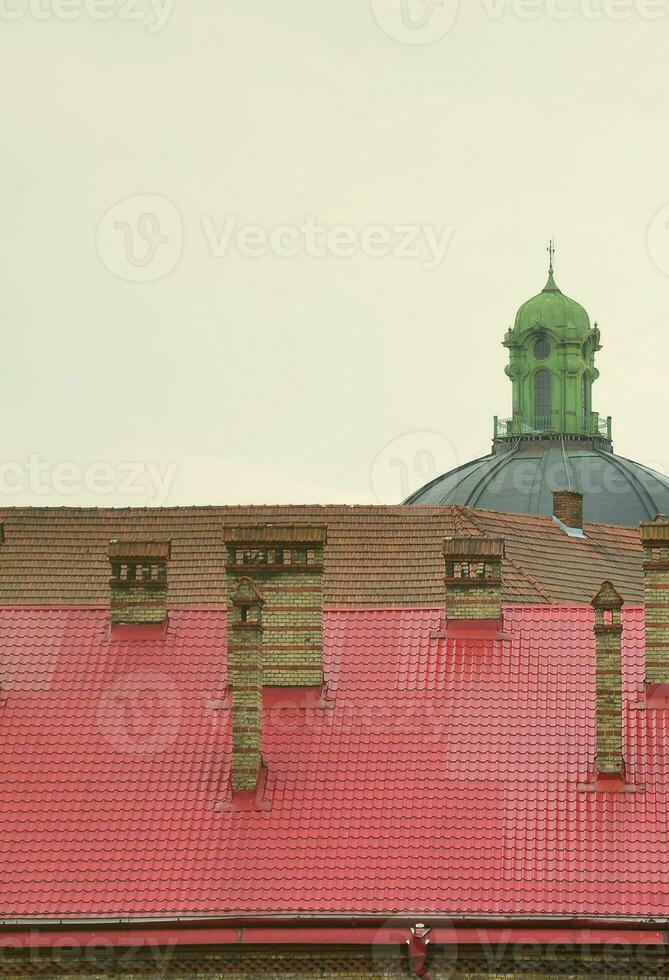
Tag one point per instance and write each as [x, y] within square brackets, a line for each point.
[442, 775]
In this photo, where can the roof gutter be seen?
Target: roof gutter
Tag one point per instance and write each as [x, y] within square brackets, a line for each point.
[326, 930]
[352, 918]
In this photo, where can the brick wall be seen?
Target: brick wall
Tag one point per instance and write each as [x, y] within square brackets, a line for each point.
[607, 606]
[138, 581]
[245, 678]
[337, 963]
[609, 704]
[287, 564]
[568, 507]
[655, 540]
[473, 578]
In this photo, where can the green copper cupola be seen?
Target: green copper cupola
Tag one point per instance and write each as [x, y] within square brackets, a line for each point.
[552, 347]
[553, 441]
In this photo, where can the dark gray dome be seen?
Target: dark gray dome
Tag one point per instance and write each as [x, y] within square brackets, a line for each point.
[521, 478]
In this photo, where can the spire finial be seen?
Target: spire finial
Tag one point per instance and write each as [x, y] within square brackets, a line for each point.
[550, 286]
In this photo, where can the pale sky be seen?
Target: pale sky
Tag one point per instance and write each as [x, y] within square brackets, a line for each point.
[327, 225]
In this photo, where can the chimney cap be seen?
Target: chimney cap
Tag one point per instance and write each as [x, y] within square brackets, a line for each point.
[608, 597]
[655, 530]
[474, 546]
[572, 494]
[247, 593]
[268, 534]
[139, 550]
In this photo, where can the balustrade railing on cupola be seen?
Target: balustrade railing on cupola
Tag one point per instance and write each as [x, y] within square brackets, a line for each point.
[546, 424]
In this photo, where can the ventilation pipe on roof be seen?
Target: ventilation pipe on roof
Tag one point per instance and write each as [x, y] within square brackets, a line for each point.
[655, 541]
[607, 606]
[473, 577]
[418, 949]
[245, 678]
[138, 582]
[287, 560]
[568, 511]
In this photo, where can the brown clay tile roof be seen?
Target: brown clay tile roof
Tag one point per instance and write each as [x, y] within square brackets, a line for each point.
[566, 569]
[375, 555]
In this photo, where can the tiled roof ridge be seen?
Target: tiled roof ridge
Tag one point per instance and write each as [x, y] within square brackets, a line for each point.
[470, 515]
[612, 527]
[544, 519]
[431, 510]
[464, 522]
[531, 580]
[214, 509]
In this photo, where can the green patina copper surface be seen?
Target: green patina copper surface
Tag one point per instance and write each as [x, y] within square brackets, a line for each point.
[552, 348]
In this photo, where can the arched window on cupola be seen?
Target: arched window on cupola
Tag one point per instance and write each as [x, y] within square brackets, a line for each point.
[585, 408]
[543, 400]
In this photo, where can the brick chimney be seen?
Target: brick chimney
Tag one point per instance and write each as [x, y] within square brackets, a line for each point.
[287, 562]
[607, 605]
[138, 581]
[568, 508]
[655, 541]
[473, 577]
[245, 678]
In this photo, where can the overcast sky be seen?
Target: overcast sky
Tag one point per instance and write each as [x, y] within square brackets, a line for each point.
[267, 251]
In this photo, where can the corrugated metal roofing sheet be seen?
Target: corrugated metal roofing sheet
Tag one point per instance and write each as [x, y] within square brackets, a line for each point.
[441, 775]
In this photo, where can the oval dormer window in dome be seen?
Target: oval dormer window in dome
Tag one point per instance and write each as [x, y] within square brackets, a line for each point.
[542, 349]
